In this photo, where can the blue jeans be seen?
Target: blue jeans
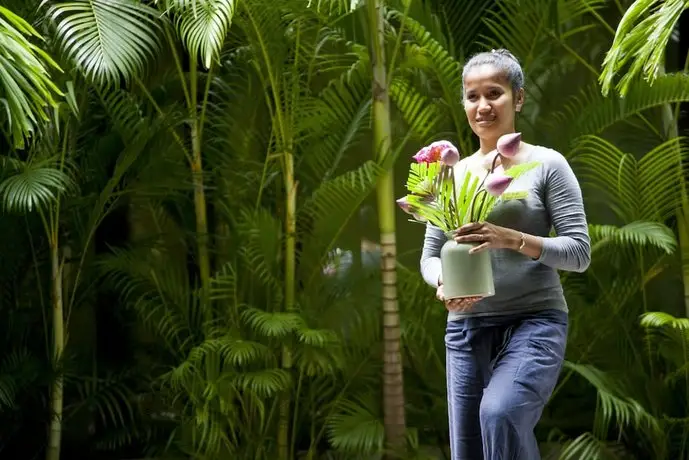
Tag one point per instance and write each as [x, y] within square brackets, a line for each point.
[501, 372]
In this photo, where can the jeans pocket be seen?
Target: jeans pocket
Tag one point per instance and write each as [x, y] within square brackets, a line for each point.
[457, 334]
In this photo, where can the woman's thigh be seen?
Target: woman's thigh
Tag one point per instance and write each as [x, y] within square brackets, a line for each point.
[468, 356]
[528, 368]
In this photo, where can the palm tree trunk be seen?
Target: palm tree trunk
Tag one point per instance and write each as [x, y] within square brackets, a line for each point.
[201, 217]
[202, 236]
[290, 273]
[56, 400]
[393, 382]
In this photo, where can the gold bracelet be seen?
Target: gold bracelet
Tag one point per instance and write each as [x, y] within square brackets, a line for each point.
[523, 239]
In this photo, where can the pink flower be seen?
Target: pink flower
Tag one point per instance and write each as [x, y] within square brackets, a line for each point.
[443, 151]
[404, 205]
[422, 155]
[497, 183]
[449, 156]
[508, 144]
[446, 152]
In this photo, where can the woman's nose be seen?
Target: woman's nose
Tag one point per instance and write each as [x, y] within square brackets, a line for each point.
[483, 105]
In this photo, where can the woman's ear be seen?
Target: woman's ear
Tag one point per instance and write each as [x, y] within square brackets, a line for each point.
[519, 100]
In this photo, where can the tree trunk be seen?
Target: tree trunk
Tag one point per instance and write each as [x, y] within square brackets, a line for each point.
[393, 383]
[56, 400]
[201, 218]
[290, 274]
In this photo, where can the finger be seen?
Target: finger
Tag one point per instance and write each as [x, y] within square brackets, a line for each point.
[480, 247]
[471, 238]
[470, 227]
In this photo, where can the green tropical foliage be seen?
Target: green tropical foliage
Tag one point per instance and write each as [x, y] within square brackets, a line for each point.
[189, 268]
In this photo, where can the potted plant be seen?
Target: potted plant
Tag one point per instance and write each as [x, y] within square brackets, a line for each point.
[438, 196]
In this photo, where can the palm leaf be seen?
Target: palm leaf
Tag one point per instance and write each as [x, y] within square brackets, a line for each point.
[202, 25]
[107, 39]
[587, 446]
[534, 29]
[590, 112]
[636, 234]
[36, 184]
[641, 38]
[341, 118]
[646, 189]
[615, 405]
[421, 115]
[355, 427]
[426, 52]
[26, 86]
[321, 225]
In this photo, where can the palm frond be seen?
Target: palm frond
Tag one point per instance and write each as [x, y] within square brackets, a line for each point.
[356, 427]
[426, 52]
[615, 404]
[26, 86]
[262, 249]
[107, 39]
[533, 29]
[636, 234]
[202, 25]
[337, 125]
[641, 39]
[109, 396]
[647, 189]
[659, 319]
[421, 115]
[590, 112]
[156, 287]
[17, 368]
[344, 193]
[36, 184]
[587, 446]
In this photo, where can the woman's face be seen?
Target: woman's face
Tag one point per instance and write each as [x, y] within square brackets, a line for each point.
[489, 103]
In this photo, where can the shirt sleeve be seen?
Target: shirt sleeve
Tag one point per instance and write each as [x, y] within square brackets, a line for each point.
[433, 242]
[570, 250]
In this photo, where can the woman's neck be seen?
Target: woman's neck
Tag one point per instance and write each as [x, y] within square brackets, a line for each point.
[488, 144]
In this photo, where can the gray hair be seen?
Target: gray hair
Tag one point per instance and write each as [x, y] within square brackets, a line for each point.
[502, 60]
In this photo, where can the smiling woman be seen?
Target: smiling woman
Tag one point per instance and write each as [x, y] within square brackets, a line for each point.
[504, 352]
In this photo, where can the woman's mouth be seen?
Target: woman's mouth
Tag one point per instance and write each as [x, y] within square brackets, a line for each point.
[483, 122]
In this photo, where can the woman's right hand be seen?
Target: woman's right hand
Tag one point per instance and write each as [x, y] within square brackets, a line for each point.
[456, 305]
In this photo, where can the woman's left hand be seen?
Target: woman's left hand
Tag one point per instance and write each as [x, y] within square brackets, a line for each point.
[489, 235]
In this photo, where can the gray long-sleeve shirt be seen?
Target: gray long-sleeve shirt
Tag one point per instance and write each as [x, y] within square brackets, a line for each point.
[523, 284]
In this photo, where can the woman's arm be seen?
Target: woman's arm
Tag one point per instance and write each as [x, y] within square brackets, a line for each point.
[570, 250]
[433, 241]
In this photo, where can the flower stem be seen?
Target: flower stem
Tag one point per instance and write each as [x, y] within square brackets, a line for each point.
[456, 216]
[473, 201]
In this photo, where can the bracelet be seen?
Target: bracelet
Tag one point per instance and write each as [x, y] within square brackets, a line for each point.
[523, 241]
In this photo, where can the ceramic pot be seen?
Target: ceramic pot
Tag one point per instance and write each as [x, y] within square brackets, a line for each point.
[464, 274]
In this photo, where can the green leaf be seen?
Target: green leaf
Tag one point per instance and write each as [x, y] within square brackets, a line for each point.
[637, 234]
[641, 39]
[202, 25]
[355, 427]
[635, 190]
[26, 85]
[34, 185]
[590, 112]
[107, 39]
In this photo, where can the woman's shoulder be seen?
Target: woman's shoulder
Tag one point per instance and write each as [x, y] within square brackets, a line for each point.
[549, 157]
[545, 154]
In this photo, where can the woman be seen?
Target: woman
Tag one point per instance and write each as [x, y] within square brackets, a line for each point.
[505, 352]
